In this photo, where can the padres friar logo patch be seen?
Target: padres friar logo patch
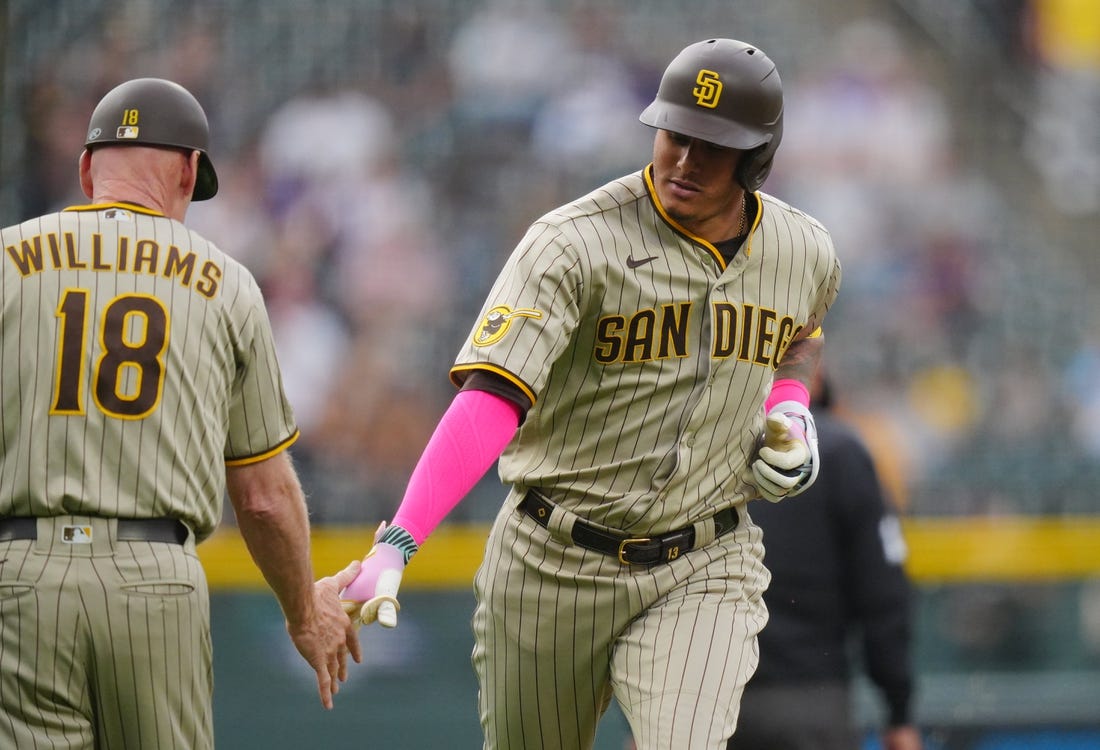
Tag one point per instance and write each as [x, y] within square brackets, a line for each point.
[495, 324]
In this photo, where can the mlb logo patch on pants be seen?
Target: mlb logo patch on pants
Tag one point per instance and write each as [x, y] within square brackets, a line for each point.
[76, 534]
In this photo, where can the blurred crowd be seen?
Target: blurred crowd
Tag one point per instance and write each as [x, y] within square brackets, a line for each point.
[375, 181]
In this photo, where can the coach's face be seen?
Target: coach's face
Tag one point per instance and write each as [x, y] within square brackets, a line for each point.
[696, 184]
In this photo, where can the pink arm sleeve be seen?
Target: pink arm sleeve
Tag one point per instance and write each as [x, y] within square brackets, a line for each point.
[470, 436]
[787, 389]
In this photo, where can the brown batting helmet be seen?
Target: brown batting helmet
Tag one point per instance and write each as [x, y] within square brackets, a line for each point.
[726, 92]
[155, 112]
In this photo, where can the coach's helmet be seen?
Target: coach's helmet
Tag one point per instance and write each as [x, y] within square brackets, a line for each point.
[726, 92]
[155, 112]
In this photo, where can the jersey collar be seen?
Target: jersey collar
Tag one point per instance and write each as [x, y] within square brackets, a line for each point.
[116, 204]
[648, 173]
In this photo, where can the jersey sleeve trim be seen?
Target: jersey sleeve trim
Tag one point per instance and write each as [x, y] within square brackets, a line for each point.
[458, 373]
[246, 460]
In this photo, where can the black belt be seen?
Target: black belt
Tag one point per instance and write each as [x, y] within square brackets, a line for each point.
[169, 530]
[629, 550]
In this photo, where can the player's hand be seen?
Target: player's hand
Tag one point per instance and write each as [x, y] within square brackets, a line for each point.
[902, 738]
[324, 637]
[787, 461]
[373, 594]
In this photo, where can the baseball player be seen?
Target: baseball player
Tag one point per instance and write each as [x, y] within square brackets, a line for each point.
[139, 383]
[640, 368]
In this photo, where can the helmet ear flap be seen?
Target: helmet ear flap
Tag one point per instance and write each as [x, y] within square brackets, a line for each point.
[753, 168]
[756, 163]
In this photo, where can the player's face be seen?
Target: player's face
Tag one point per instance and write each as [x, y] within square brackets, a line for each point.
[695, 183]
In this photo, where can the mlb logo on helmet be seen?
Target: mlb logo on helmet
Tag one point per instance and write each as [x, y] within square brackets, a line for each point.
[126, 132]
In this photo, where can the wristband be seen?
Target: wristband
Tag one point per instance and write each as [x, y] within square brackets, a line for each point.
[787, 389]
[398, 537]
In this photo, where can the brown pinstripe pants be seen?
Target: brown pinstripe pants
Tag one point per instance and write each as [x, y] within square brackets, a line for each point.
[103, 643]
[560, 631]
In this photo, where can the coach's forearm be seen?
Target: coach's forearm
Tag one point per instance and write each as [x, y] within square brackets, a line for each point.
[271, 514]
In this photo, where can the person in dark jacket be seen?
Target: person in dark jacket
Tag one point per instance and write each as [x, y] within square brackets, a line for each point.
[835, 555]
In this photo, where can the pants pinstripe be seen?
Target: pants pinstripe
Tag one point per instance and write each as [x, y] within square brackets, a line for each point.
[103, 643]
[560, 630]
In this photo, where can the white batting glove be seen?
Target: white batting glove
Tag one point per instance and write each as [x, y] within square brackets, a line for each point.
[787, 461]
[373, 594]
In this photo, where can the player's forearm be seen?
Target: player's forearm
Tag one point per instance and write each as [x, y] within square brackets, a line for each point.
[470, 436]
[801, 360]
[274, 523]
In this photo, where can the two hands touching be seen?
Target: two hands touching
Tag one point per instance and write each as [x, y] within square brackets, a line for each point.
[373, 594]
[787, 461]
[360, 594]
[324, 637]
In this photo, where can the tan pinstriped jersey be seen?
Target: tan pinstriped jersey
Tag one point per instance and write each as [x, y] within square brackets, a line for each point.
[647, 358]
[136, 360]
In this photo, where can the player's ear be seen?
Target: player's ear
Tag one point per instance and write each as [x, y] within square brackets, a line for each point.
[190, 174]
[85, 169]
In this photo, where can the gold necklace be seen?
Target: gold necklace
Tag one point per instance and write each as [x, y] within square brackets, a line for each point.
[741, 223]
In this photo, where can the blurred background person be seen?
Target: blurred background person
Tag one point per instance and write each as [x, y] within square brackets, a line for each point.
[835, 555]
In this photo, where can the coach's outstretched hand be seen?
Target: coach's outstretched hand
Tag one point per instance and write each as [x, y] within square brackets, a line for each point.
[373, 594]
[325, 637]
[787, 461]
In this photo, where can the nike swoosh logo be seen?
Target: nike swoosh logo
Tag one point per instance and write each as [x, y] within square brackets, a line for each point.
[632, 262]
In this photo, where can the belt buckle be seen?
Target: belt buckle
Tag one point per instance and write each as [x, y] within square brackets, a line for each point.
[624, 543]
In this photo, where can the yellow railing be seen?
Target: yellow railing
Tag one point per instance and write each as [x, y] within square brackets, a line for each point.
[941, 550]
